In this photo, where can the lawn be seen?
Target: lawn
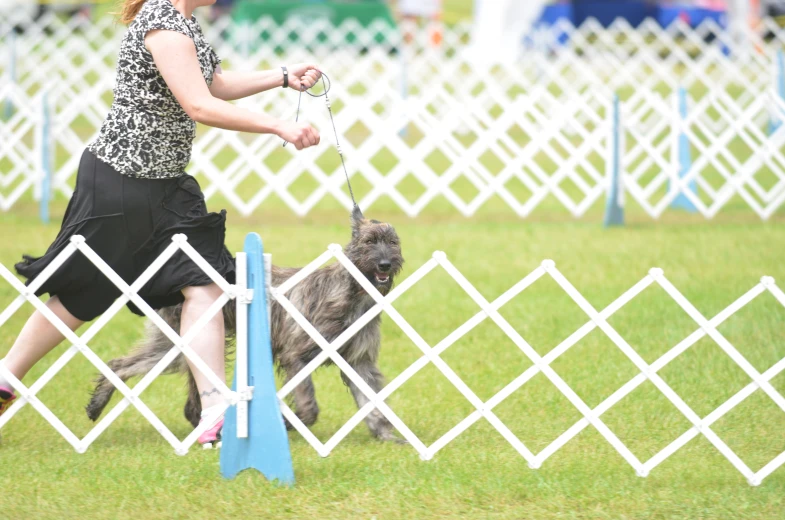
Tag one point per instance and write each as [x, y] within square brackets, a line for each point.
[131, 472]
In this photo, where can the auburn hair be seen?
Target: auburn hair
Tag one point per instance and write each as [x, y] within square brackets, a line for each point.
[128, 10]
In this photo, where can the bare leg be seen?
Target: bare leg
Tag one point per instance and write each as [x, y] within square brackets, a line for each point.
[38, 338]
[208, 343]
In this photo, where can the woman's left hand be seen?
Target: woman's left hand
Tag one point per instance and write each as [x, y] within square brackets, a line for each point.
[303, 75]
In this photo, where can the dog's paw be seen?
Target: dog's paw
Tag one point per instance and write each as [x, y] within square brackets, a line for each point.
[391, 437]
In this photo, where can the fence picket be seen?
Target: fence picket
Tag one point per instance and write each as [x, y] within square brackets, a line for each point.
[540, 118]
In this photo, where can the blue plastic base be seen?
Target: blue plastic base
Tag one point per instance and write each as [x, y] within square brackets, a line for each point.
[267, 447]
[614, 215]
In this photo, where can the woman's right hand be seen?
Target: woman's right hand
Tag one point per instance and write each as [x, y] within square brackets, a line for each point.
[300, 135]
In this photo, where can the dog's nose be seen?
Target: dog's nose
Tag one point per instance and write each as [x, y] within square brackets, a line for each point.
[384, 266]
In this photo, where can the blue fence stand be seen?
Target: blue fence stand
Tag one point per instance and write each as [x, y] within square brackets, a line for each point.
[614, 205]
[46, 158]
[9, 105]
[685, 159]
[266, 448]
[775, 122]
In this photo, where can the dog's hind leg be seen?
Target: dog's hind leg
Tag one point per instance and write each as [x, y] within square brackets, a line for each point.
[152, 349]
[137, 364]
[380, 427]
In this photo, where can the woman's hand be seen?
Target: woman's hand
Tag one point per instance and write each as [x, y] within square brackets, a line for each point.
[300, 135]
[303, 75]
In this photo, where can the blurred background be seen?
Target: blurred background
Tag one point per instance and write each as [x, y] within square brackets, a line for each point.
[444, 107]
[502, 132]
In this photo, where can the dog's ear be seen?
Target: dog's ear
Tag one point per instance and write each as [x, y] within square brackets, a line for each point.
[356, 219]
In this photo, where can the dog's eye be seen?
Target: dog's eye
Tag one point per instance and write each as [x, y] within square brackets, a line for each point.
[393, 242]
[369, 241]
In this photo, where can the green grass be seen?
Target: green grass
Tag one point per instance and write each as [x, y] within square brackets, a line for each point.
[131, 472]
[457, 10]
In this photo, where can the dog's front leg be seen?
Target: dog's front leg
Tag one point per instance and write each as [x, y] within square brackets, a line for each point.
[380, 427]
[305, 406]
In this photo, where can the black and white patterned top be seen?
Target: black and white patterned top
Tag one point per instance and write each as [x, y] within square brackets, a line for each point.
[147, 133]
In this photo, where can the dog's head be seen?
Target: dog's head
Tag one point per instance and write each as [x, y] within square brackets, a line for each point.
[376, 250]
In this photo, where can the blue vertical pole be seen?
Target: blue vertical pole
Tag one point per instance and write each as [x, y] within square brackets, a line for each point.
[685, 159]
[266, 448]
[46, 158]
[614, 205]
[9, 106]
[775, 122]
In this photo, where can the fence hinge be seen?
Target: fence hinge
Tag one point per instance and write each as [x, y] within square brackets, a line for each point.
[245, 395]
[245, 296]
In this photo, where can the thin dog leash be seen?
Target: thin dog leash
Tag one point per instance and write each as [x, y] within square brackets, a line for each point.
[327, 85]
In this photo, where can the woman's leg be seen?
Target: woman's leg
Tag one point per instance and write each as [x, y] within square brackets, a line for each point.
[208, 343]
[37, 339]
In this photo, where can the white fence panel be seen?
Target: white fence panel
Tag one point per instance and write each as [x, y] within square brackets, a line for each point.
[80, 344]
[597, 319]
[398, 106]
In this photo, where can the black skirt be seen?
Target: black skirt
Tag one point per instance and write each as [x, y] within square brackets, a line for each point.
[129, 221]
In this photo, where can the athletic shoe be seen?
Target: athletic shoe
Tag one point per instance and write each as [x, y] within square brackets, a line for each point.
[211, 436]
[7, 396]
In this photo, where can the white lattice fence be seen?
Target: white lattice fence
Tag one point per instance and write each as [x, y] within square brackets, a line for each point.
[20, 146]
[424, 124]
[597, 319]
[741, 159]
[80, 343]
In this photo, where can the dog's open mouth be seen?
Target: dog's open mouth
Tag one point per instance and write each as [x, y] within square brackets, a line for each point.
[382, 278]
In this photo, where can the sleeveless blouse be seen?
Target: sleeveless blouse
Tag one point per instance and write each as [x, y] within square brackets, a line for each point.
[147, 134]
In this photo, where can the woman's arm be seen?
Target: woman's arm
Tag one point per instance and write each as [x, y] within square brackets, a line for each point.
[230, 85]
[175, 56]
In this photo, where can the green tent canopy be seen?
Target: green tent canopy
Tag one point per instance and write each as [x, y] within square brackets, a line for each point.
[366, 12]
[336, 11]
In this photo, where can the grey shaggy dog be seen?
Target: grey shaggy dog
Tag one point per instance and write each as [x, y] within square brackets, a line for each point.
[330, 299]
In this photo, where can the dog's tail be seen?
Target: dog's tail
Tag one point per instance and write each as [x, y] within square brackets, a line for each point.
[148, 353]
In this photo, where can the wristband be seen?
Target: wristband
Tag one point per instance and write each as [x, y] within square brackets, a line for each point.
[285, 77]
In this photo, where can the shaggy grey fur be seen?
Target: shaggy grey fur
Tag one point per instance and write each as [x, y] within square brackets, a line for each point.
[330, 299]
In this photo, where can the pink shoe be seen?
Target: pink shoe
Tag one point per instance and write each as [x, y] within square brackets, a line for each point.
[211, 436]
[7, 396]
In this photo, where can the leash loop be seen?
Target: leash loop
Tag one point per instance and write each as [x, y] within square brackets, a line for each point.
[327, 85]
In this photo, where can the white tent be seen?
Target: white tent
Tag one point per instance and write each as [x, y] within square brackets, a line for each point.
[500, 24]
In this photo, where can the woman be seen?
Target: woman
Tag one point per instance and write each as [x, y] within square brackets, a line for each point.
[132, 193]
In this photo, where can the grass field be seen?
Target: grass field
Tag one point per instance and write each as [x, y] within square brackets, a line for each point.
[131, 472]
